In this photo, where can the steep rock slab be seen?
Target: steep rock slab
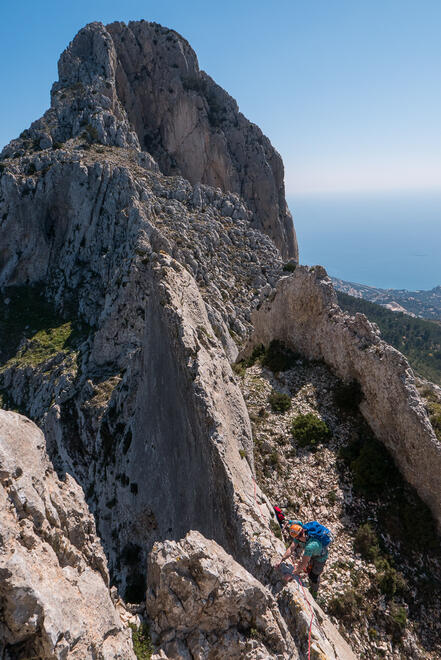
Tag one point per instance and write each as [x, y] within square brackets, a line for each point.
[304, 313]
[205, 605]
[140, 86]
[54, 597]
[126, 411]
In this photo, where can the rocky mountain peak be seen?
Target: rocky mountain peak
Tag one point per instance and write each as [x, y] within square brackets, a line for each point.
[139, 85]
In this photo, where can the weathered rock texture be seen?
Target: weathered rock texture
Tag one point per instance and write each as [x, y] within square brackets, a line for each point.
[203, 604]
[141, 85]
[54, 596]
[146, 404]
[303, 312]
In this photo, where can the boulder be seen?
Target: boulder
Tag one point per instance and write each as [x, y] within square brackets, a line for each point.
[54, 596]
[203, 604]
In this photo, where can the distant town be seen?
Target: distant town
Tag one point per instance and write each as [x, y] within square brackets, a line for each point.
[422, 304]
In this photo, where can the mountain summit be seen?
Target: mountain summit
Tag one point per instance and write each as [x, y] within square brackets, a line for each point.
[139, 85]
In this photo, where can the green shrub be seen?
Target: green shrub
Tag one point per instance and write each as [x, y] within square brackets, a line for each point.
[309, 430]
[31, 329]
[389, 580]
[142, 643]
[239, 367]
[275, 528]
[331, 496]
[90, 134]
[366, 542]
[289, 267]
[396, 621]
[279, 401]
[345, 606]
[194, 84]
[257, 352]
[373, 469]
[44, 345]
[348, 395]
[279, 357]
[434, 410]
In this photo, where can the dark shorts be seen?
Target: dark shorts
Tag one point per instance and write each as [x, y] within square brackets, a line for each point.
[315, 569]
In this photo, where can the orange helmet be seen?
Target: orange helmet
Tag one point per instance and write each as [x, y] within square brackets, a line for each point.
[295, 530]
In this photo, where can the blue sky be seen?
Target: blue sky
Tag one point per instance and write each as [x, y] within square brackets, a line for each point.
[348, 91]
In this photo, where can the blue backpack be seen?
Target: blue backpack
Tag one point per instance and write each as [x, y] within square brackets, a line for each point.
[319, 532]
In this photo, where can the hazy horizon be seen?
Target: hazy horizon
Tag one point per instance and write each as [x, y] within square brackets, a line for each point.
[385, 240]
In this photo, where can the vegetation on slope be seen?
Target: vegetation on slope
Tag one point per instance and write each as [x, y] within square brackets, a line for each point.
[382, 582]
[419, 340]
[31, 330]
[142, 643]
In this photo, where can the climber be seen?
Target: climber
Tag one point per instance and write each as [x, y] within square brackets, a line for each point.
[311, 542]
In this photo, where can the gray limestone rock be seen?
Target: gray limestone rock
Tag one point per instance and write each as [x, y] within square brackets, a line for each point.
[203, 604]
[54, 595]
[150, 214]
[139, 85]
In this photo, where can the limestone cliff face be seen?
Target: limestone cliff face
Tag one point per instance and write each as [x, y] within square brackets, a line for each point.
[303, 312]
[141, 85]
[204, 604]
[151, 281]
[127, 412]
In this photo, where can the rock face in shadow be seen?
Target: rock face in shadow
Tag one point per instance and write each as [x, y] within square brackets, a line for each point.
[54, 595]
[303, 312]
[140, 86]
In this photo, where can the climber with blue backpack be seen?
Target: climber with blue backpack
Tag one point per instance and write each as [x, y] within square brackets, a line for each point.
[309, 546]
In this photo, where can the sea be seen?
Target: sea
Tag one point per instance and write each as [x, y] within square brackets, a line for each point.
[386, 240]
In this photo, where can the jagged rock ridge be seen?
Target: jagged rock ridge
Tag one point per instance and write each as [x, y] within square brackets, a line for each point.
[159, 278]
[304, 313]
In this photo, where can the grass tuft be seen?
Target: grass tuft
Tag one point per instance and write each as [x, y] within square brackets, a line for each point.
[142, 642]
